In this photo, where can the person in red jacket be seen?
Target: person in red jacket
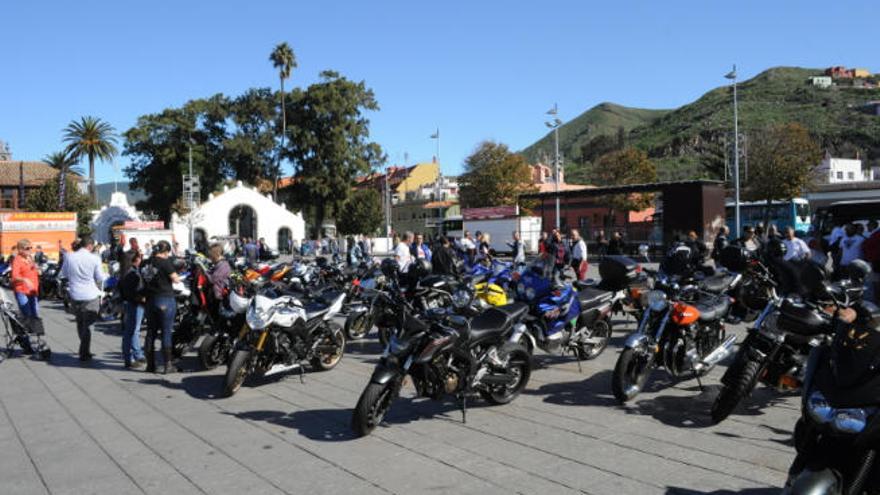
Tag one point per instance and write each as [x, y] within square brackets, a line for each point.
[25, 279]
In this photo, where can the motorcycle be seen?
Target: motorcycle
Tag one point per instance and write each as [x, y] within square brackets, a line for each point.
[49, 286]
[446, 354]
[282, 333]
[776, 348]
[836, 437]
[682, 329]
[111, 307]
[563, 319]
[219, 340]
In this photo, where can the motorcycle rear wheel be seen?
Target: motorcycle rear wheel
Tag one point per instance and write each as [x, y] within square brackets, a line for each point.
[730, 397]
[518, 364]
[602, 330]
[327, 361]
[630, 374]
[237, 372]
[373, 405]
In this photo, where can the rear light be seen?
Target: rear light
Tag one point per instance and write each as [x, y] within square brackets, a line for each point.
[356, 282]
[638, 268]
[515, 277]
[788, 382]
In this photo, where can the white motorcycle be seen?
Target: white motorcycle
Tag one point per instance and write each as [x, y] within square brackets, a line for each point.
[283, 333]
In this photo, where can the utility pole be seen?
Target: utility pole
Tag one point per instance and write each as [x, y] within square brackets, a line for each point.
[736, 217]
[554, 124]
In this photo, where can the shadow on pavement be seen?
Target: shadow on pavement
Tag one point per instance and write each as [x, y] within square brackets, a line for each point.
[687, 411]
[323, 425]
[674, 490]
[593, 391]
[206, 387]
[65, 360]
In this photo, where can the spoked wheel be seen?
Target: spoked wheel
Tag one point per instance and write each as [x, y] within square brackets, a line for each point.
[600, 335]
[519, 367]
[330, 350]
[630, 374]
[373, 405]
[237, 372]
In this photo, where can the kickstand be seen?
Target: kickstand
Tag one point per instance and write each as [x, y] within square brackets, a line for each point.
[464, 409]
[578, 356]
[302, 373]
[699, 382]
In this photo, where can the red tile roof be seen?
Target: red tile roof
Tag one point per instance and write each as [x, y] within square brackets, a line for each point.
[35, 173]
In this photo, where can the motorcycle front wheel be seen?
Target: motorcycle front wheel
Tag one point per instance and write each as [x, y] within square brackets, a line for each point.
[730, 396]
[213, 351]
[373, 405]
[630, 374]
[358, 325]
[237, 372]
[519, 366]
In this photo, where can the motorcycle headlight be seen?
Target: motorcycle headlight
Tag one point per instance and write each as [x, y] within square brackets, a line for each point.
[461, 298]
[530, 293]
[656, 300]
[819, 408]
[850, 420]
[521, 288]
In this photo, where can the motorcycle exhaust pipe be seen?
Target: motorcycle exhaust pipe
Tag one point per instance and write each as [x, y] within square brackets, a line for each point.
[281, 368]
[718, 354]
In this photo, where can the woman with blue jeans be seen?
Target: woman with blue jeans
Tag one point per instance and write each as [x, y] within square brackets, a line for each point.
[131, 288]
[159, 275]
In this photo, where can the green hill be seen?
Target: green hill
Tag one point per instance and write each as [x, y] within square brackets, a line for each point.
[693, 141]
[602, 120]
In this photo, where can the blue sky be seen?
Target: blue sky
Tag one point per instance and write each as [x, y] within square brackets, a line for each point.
[475, 69]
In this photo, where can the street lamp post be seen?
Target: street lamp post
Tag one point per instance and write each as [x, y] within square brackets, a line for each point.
[736, 217]
[554, 124]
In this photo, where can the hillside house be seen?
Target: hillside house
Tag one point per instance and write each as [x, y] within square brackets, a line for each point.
[840, 170]
[823, 82]
[839, 72]
[861, 73]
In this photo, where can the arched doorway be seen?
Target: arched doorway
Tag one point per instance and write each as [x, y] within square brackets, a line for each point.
[284, 240]
[200, 240]
[243, 221]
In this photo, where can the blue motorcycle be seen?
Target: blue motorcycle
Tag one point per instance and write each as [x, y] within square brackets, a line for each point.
[562, 319]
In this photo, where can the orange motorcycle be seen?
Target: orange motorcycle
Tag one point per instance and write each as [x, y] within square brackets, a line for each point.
[681, 329]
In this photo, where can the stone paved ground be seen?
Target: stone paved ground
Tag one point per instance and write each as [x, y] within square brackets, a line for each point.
[67, 428]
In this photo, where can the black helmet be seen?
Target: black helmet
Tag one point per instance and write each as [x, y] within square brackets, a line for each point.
[858, 271]
[420, 267]
[390, 267]
[678, 259]
[775, 249]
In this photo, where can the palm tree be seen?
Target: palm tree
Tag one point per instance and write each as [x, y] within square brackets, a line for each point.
[284, 60]
[61, 161]
[91, 137]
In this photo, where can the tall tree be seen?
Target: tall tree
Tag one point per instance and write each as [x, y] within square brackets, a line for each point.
[494, 176]
[361, 214]
[782, 162]
[61, 161]
[330, 142]
[284, 60]
[93, 138]
[625, 167]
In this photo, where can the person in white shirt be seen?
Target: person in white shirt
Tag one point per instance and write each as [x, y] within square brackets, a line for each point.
[578, 254]
[402, 253]
[795, 248]
[469, 246]
[518, 248]
[851, 246]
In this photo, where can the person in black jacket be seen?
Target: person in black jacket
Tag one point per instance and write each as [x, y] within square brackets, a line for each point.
[444, 259]
[131, 289]
[721, 241]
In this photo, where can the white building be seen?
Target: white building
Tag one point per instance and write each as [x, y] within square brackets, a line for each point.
[837, 170]
[821, 81]
[116, 213]
[240, 211]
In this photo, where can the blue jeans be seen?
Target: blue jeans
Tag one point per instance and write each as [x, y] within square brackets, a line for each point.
[27, 304]
[161, 311]
[131, 331]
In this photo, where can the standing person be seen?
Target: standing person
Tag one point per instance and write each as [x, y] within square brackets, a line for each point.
[543, 242]
[579, 254]
[82, 269]
[148, 249]
[40, 256]
[133, 246]
[159, 276]
[484, 250]
[402, 254]
[250, 250]
[443, 262]
[721, 241]
[131, 289]
[749, 240]
[698, 247]
[355, 256]
[559, 251]
[25, 279]
[602, 243]
[518, 248]
[616, 246]
[795, 249]
[468, 246]
[218, 276]
[420, 249]
[851, 245]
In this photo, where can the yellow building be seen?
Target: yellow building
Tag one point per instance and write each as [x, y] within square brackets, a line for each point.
[861, 73]
[414, 178]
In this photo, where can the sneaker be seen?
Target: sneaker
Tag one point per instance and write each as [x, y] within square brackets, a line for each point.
[139, 364]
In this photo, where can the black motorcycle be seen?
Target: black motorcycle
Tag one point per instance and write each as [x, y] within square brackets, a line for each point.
[776, 348]
[447, 354]
[838, 435]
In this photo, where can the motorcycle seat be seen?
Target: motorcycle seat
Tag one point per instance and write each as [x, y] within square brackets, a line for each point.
[716, 283]
[495, 320]
[713, 309]
[590, 297]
